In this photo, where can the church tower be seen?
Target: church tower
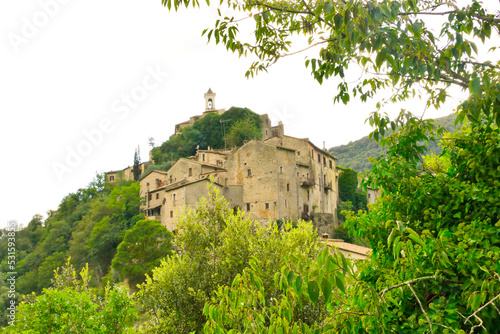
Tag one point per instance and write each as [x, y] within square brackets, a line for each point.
[210, 100]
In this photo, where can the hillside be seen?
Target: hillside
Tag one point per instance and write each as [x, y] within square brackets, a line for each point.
[355, 155]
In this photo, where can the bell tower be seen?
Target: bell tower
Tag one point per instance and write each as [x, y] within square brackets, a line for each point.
[209, 100]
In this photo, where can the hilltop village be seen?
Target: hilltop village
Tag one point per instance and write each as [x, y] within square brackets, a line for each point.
[277, 177]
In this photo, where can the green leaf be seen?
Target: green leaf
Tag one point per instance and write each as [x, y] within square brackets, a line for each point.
[326, 286]
[391, 237]
[338, 20]
[313, 290]
[380, 57]
[414, 236]
[297, 285]
[340, 284]
[328, 7]
[475, 85]
[322, 256]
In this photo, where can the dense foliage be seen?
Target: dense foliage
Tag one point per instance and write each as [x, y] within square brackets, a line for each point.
[88, 227]
[434, 232]
[357, 154]
[349, 190]
[142, 249]
[71, 306]
[217, 131]
[393, 42]
[216, 245]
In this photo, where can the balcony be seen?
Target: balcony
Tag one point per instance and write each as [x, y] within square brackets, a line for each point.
[307, 182]
[154, 217]
[328, 186]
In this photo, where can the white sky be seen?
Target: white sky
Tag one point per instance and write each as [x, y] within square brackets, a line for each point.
[69, 76]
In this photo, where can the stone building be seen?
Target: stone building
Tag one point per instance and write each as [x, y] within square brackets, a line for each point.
[280, 177]
[126, 173]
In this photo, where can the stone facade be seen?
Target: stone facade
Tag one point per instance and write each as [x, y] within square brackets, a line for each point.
[372, 195]
[281, 177]
[126, 173]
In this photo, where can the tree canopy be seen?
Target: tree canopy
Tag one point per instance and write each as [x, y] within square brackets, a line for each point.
[216, 245]
[393, 42]
[142, 249]
[212, 130]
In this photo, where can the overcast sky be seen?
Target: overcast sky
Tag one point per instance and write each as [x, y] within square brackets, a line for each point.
[83, 83]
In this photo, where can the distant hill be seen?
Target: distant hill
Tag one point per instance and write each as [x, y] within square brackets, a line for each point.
[355, 154]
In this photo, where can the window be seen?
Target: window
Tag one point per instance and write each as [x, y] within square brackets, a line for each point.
[111, 178]
[281, 169]
[324, 161]
[307, 194]
[369, 195]
[285, 204]
[288, 187]
[150, 197]
[203, 157]
[248, 206]
[267, 206]
[319, 158]
[190, 172]
[157, 196]
[331, 165]
[171, 214]
[249, 172]
[298, 152]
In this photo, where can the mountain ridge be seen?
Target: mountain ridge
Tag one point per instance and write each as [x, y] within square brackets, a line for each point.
[356, 153]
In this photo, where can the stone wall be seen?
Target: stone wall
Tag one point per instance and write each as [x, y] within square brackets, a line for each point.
[324, 223]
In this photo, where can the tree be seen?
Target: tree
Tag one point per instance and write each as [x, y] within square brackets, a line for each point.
[142, 249]
[137, 164]
[210, 127]
[72, 307]
[241, 131]
[349, 190]
[434, 234]
[392, 41]
[216, 244]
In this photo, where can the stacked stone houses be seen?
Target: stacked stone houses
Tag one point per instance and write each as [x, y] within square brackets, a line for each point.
[126, 173]
[278, 177]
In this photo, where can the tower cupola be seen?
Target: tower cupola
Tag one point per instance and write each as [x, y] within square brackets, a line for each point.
[209, 100]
